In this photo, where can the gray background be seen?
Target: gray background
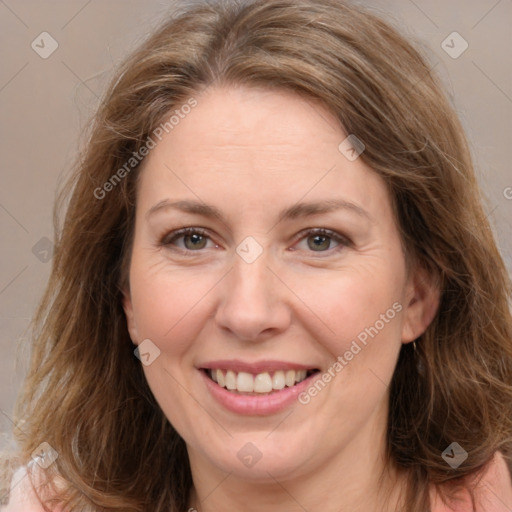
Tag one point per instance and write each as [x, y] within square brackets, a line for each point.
[44, 104]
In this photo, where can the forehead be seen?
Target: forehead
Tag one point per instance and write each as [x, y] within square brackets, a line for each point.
[257, 147]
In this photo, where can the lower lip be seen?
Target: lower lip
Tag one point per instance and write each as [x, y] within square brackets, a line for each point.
[256, 405]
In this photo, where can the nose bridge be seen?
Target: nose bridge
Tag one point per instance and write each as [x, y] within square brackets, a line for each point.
[250, 273]
[251, 302]
[251, 277]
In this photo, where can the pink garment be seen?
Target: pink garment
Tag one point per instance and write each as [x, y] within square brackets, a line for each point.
[22, 496]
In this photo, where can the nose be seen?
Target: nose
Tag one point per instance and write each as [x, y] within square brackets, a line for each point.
[253, 304]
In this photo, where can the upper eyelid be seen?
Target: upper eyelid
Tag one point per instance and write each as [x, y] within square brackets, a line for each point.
[321, 231]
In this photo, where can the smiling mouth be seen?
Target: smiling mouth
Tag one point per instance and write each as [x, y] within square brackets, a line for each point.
[245, 383]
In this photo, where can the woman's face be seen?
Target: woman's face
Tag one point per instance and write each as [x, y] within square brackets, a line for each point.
[257, 296]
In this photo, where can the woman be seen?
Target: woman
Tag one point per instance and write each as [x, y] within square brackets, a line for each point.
[277, 210]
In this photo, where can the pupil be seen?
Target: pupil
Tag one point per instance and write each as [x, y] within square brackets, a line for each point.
[324, 245]
[194, 239]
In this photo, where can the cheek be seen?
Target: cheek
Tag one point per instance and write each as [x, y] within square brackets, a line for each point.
[361, 314]
[357, 305]
[168, 304]
[170, 308]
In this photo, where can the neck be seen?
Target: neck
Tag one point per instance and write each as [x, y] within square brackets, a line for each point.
[356, 479]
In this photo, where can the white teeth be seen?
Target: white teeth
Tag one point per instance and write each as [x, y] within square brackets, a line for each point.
[278, 380]
[220, 378]
[245, 382]
[265, 382]
[290, 378]
[300, 375]
[231, 380]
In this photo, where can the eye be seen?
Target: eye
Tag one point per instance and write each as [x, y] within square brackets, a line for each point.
[321, 240]
[193, 239]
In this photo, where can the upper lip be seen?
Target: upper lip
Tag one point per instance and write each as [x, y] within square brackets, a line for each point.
[255, 367]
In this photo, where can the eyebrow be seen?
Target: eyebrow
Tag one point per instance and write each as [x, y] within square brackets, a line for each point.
[298, 210]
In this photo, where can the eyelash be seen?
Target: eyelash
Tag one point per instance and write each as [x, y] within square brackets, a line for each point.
[343, 241]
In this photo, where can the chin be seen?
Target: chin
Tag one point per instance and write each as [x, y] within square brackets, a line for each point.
[261, 459]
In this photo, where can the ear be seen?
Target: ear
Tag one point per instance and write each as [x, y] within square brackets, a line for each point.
[421, 304]
[130, 317]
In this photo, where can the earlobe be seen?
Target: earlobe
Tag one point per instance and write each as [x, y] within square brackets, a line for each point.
[130, 317]
[422, 303]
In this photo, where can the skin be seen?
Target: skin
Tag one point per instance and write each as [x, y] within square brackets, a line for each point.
[252, 153]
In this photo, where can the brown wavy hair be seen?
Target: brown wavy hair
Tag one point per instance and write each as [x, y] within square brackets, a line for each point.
[86, 394]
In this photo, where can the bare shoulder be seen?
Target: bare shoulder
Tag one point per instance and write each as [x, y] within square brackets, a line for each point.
[22, 497]
[496, 486]
[493, 492]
